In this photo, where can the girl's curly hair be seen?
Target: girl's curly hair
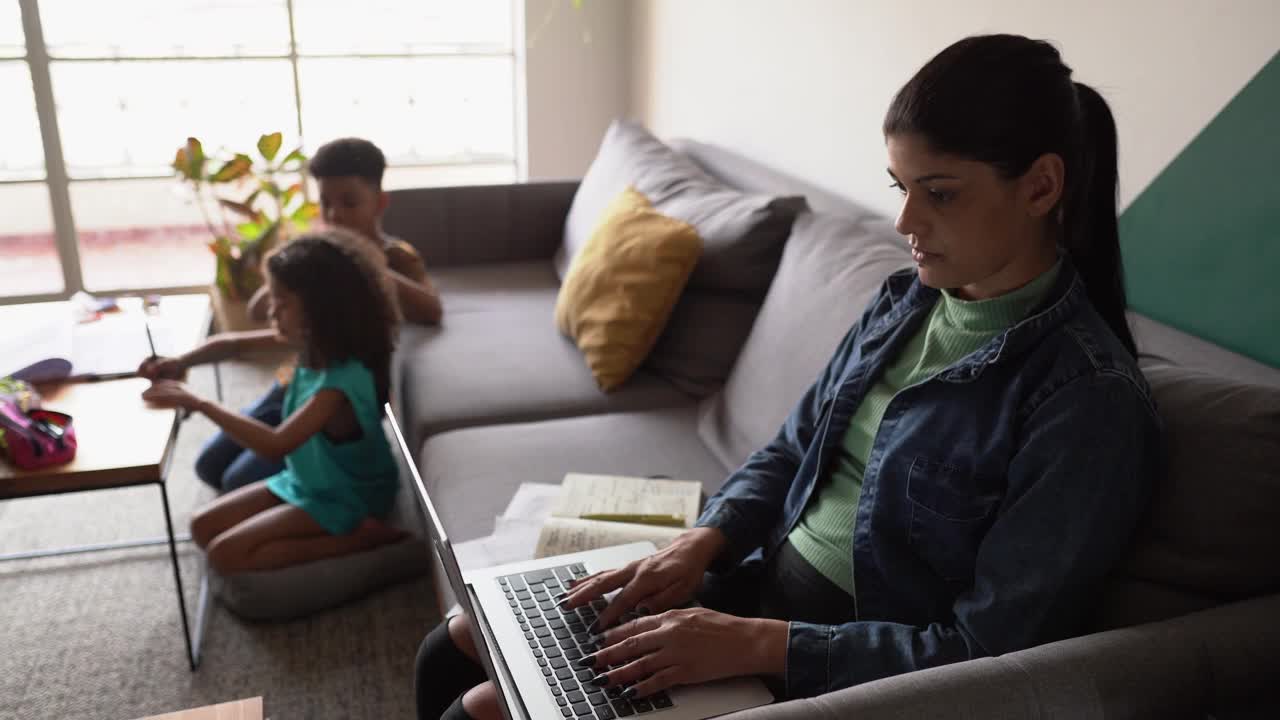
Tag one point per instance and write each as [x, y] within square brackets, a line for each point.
[348, 302]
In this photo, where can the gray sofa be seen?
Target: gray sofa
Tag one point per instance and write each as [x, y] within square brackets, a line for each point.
[1190, 625]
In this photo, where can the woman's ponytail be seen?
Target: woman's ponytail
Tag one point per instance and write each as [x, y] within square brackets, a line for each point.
[1092, 233]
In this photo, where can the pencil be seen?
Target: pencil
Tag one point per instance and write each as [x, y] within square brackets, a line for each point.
[147, 324]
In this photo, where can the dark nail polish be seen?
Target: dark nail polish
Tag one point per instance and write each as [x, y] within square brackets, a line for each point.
[588, 661]
[643, 610]
[629, 693]
[600, 680]
[594, 627]
[560, 596]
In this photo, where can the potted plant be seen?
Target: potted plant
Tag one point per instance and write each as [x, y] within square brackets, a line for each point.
[273, 205]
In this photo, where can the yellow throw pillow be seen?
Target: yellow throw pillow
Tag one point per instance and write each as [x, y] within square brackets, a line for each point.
[623, 284]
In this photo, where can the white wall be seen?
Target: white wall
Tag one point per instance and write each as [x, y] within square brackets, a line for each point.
[578, 72]
[802, 85]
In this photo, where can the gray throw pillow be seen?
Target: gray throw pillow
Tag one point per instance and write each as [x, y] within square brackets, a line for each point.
[742, 234]
[1212, 526]
[831, 268]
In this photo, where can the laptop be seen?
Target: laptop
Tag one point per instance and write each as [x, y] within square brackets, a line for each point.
[528, 646]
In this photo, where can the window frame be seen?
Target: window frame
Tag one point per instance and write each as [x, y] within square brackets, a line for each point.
[58, 181]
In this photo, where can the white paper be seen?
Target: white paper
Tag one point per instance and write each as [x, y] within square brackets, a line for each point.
[515, 531]
[532, 501]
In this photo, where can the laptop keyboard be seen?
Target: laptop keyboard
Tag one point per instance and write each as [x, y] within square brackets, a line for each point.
[558, 639]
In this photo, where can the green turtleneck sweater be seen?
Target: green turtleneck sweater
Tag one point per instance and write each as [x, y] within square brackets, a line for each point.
[955, 328]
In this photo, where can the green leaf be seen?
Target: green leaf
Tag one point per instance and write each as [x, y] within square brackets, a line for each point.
[250, 231]
[194, 153]
[241, 208]
[295, 154]
[290, 193]
[270, 188]
[233, 169]
[268, 239]
[269, 145]
[305, 213]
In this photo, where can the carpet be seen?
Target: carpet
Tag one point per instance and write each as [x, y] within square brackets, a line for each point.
[100, 636]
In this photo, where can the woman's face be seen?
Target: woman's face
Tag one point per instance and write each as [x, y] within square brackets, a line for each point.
[970, 229]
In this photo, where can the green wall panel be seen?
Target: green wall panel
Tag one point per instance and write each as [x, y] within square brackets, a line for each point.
[1201, 244]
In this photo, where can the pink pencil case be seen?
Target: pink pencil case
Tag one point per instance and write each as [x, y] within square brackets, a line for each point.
[35, 439]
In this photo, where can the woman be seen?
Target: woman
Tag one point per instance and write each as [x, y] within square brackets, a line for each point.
[960, 478]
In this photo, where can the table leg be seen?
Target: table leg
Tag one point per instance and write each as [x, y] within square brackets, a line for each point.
[192, 658]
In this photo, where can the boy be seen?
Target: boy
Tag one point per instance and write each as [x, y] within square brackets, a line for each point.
[349, 174]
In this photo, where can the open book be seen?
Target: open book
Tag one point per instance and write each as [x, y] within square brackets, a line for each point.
[595, 511]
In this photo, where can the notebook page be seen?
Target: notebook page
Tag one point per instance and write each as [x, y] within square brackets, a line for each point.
[560, 536]
[582, 494]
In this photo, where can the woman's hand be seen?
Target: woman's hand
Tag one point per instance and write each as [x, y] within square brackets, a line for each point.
[162, 368]
[171, 394]
[668, 578]
[682, 647]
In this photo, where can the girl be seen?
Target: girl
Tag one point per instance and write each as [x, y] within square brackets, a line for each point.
[329, 301]
[976, 455]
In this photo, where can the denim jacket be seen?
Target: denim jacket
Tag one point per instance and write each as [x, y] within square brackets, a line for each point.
[996, 497]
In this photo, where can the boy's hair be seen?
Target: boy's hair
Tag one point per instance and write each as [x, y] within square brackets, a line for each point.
[349, 306]
[347, 157]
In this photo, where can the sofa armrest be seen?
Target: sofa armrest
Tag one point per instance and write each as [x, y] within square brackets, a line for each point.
[1215, 662]
[470, 225]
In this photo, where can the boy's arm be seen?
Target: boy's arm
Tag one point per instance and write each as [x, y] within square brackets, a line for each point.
[230, 344]
[257, 307]
[419, 299]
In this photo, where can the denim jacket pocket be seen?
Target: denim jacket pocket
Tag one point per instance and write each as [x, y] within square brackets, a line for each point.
[950, 513]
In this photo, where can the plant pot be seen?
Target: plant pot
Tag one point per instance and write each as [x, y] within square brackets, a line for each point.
[231, 315]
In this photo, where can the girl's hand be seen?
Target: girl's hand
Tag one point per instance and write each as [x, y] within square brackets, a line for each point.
[171, 394]
[682, 647]
[162, 368]
[668, 578]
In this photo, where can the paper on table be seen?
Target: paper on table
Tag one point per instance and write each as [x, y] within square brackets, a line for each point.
[515, 531]
[566, 535]
[532, 501]
[615, 495]
[510, 542]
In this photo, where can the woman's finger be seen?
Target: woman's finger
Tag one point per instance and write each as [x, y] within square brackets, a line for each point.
[641, 663]
[667, 677]
[624, 602]
[593, 587]
[669, 597]
[612, 638]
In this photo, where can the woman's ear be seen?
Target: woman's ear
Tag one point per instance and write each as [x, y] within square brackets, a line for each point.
[1043, 184]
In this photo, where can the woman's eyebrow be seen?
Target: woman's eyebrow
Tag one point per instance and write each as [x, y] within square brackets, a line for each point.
[925, 178]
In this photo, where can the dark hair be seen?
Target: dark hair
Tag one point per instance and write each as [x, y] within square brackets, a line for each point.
[1006, 100]
[347, 157]
[349, 310]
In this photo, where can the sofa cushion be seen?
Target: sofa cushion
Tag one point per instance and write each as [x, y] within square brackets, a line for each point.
[302, 590]
[473, 473]
[503, 361]
[1212, 524]
[623, 284]
[830, 269]
[471, 288]
[742, 235]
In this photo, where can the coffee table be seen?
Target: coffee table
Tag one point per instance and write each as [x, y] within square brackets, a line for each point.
[122, 442]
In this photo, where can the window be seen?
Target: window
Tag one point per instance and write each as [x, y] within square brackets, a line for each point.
[432, 82]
